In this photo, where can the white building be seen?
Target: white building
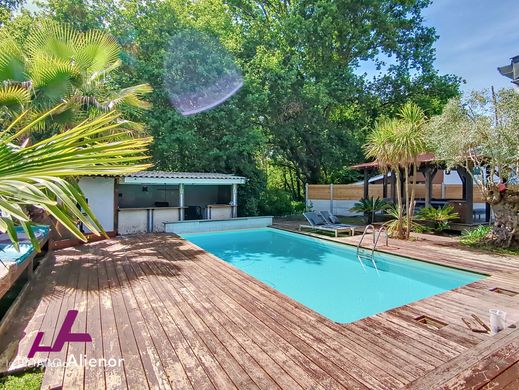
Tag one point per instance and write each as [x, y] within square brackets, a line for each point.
[145, 201]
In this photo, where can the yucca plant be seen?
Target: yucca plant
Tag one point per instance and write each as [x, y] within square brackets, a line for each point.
[398, 222]
[41, 174]
[369, 207]
[58, 64]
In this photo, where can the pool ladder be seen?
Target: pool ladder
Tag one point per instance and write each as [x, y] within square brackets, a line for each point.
[371, 254]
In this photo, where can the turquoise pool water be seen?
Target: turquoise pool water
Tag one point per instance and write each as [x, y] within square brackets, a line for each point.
[328, 277]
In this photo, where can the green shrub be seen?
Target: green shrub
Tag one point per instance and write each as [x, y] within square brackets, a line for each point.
[440, 217]
[298, 207]
[27, 381]
[475, 236]
[276, 202]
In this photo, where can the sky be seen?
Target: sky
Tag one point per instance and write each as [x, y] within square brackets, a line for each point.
[476, 36]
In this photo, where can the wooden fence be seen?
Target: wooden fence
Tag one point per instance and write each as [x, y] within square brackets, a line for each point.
[356, 191]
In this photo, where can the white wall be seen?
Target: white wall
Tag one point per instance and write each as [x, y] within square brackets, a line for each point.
[99, 192]
[339, 207]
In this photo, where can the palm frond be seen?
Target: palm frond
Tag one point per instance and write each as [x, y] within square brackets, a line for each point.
[130, 97]
[52, 39]
[95, 51]
[12, 60]
[53, 78]
[36, 174]
[13, 97]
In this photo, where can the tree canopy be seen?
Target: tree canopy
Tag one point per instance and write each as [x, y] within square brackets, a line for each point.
[305, 107]
[481, 134]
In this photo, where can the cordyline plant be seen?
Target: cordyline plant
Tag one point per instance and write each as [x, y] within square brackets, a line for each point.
[481, 134]
[396, 144]
[41, 174]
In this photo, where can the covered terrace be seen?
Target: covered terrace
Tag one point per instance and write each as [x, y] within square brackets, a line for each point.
[428, 175]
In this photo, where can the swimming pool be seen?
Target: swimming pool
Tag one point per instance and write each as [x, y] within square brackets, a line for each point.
[328, 277]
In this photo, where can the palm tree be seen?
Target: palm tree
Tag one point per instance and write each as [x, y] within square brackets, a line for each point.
[380, 145]
[396, 144]
[39, 174]
[410, 143]
[57, 64]
[369, 207]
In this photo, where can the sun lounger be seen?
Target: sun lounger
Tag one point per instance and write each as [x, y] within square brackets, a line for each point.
[317, 222]
[333, 220]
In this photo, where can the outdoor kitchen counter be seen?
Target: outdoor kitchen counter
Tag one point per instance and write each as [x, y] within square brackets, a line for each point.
[133, 220]
[219, 211]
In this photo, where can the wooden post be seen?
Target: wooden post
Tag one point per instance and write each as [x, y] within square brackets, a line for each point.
[116, 205]
[366, 184]
[468, 193]
[181, 201]
[393, 186]
[306, 197]
[234, 201]
[331, 198]
[429, 173]
[384, 186]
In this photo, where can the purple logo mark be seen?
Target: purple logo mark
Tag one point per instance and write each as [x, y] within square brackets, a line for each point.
[64, 335]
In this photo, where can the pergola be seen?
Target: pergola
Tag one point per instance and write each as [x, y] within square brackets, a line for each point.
[428, 165]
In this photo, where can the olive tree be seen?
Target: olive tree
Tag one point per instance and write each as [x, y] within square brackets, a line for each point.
[481, 134]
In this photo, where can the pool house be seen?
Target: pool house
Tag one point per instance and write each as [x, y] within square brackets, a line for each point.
[144, 202]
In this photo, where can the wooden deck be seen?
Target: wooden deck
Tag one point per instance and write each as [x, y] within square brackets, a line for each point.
[181, 318]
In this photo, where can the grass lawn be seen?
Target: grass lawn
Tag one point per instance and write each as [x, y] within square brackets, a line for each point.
[27, 381]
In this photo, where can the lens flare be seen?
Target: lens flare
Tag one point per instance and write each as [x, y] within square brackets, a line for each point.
[199, 73]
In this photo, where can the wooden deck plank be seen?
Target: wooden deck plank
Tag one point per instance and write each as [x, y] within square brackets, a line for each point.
[508, 379]
[150, 359]
[136, 374]
[74, 376]
[115, 376]
[94, 377]
[54, 374]
[188, 360]
[305, 371]
[256, 372]
[454, 369]
[240, 331]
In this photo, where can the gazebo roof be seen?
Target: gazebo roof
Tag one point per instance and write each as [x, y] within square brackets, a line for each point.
[423, 158]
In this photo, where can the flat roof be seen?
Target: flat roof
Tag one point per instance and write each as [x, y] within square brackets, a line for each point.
[166, 177]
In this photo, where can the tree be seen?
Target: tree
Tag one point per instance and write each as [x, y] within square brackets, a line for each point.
[6, 8]
[305, 108]
[481, 134]
[380, 146]
[396, 144]
[39, 174]
[57, 63]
